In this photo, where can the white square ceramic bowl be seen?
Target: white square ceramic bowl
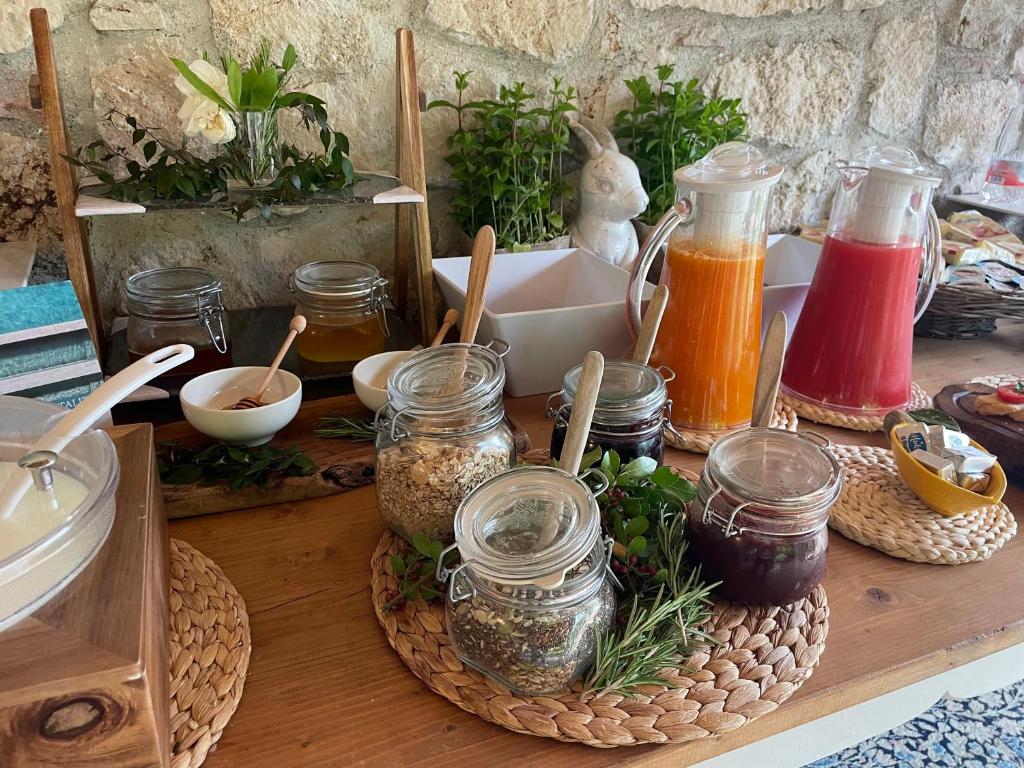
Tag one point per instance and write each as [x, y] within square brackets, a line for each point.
[552, 307]
[789, 265]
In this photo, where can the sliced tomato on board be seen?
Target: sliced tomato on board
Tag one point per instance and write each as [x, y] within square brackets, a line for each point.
[1012, 393]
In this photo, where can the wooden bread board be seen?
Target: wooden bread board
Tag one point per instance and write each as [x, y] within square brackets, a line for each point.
[1000, 435]
[341, 465]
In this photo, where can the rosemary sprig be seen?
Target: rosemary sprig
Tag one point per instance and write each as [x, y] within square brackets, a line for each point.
[344, 428]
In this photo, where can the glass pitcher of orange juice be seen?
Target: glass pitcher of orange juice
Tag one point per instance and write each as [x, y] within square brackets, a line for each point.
[711, 331]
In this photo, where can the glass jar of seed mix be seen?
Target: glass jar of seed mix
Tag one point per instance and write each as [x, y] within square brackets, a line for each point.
[532, 594]
[441, 434]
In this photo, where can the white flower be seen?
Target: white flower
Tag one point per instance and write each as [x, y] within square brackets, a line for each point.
[200, 115]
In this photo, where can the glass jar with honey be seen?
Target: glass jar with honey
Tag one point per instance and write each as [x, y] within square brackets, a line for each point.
[343, 303]
[178, 305]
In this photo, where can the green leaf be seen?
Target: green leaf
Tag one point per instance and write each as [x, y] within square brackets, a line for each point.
[138, 135]
[148, 150]
[638, 469]
[610, 463]
[935, 416]
[200, 85]
[264, 89]
[288, 60]
[234, 74]
[421, 543]
[397, 565]
[637, 526]
[590, 458]
[637, 545]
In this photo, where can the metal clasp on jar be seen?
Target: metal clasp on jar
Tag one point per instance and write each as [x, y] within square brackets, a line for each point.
[551, 412]
[214, 310]
[728, 526]
[452, 577]
[382, 422]
[379, 297]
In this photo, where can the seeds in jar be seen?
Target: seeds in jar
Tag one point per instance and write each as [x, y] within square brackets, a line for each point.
[532, 651]
[420, 483]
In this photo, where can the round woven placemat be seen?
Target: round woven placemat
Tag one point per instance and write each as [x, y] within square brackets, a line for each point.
[783, 417]
[877, 509]
[918, 399]
[209, 651]
[765, 655]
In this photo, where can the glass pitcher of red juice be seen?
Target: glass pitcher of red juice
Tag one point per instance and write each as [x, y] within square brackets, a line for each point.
[711, 330]
[851, 348]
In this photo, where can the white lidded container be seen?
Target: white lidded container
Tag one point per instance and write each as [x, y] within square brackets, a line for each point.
[789, 265]
[48, 540]
[551, 307]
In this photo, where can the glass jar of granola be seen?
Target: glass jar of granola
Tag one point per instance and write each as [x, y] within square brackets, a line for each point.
[532, 594]
[441, 434]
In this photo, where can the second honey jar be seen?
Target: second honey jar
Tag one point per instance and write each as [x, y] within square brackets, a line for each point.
[343, 302]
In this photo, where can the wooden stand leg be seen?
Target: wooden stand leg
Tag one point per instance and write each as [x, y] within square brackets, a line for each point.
[413, 173]
[65, 182]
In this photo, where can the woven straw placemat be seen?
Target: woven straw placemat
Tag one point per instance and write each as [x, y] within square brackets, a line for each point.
[765, 655]
[209, 651]
[918, 399]
[877, 509]
[783, 417]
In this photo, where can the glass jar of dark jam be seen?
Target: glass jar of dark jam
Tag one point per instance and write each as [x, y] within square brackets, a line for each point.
[758, 524]
[631, 410]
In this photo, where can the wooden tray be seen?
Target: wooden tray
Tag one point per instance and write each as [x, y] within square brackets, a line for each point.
[341, 465]
[1000, 435]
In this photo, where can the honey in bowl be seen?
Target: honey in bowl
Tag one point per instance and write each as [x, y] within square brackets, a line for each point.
[341, 340]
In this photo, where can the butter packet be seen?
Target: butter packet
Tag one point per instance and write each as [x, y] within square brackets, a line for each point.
[937, 465]
[974, 482]
[912, 437]
[943, 438]
[969, 460]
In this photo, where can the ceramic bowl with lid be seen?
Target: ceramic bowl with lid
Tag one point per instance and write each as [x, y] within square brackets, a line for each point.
[758, 524]
[52, 534]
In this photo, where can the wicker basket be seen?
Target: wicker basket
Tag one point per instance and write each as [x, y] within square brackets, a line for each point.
[967, 312]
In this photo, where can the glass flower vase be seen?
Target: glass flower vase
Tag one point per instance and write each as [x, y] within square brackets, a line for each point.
[254, 152]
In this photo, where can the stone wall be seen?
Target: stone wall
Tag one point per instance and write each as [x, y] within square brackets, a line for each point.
[818, 78]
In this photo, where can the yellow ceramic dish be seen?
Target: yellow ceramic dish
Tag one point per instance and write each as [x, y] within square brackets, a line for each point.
[940, 495]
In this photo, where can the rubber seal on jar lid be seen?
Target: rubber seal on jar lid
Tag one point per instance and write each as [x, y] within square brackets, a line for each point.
[774, 468]
[528, 526]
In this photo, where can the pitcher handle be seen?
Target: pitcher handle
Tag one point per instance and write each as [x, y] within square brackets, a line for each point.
[933, 263]
[673, 217]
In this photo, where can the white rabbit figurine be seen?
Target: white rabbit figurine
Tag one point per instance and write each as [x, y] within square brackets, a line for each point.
[610, 195]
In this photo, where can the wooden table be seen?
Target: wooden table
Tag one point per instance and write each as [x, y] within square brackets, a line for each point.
[325, 689]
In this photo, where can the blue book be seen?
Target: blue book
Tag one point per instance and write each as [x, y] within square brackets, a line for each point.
[45, 348]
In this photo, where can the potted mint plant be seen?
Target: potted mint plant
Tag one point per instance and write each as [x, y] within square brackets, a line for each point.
[672, 124]
[506, 156]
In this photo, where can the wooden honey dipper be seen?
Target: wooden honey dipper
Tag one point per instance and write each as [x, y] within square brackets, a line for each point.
[297, 326]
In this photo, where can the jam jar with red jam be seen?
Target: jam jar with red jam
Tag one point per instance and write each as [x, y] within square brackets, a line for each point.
[631, 410]
[758, 524]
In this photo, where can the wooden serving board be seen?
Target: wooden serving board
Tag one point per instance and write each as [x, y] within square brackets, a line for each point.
[341, 465]
[1000, 435]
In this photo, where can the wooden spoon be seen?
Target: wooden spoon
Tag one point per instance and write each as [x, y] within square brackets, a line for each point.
[582, 413]
[297, 326]
[476, 288]
[649, 327]
[451, 317]
[769, 371]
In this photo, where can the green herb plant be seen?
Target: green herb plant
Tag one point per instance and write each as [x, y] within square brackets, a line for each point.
[643, 509]
[672, 124]
[170, 172]
[416, 572]
[507, 155]
[235, 466]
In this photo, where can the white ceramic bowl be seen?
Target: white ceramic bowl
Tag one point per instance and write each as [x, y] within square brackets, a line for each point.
[370, 377]
[204, 398]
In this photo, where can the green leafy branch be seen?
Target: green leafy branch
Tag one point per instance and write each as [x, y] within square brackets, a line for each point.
[234, 466]
[345, 428]
[416, 571]
[507, 155]
[672, 124]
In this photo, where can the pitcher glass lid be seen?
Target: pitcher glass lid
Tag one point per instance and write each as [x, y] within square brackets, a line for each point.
[731, 167]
